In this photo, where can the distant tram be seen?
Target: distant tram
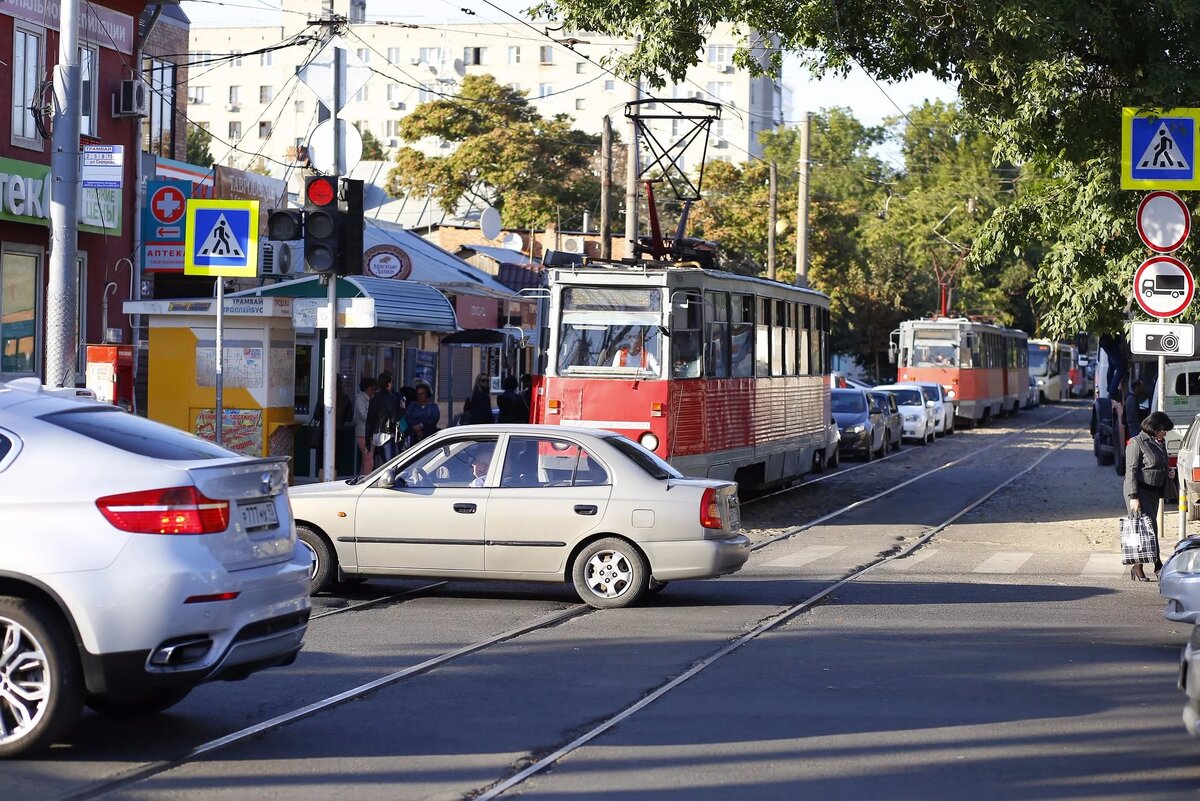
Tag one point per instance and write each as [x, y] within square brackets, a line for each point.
[1050, 365]
[984, 368]
[722, 375]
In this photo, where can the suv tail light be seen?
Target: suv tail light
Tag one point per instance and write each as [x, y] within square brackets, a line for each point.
[174, 510]
[710, 510]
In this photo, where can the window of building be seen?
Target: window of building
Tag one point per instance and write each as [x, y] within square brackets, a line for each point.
[361, 95]
[20, 326]
[610, 85]
[428, 92]
[393, 55]
[580, 104]
[546, 54]
[545, 89]
[391, 128]
[720, 90]
[516, 87]
[431, 55]
[235, 94]
[264, 130]
[364, 55]
[394, 92]
[473, 56]
[514, 55]
[580, 66]
[298, 106]
[196, 95]
[235, 131]
[159, 130]
[201, 58]
[236, 60]
[27, 74]
[266, 94]
[89, 61]
[264, 59]
[720, 54]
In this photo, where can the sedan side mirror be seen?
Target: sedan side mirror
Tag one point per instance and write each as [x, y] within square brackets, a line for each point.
[929, 404]
[387, 478]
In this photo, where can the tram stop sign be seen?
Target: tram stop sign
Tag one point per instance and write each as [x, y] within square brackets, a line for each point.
[1163, 286]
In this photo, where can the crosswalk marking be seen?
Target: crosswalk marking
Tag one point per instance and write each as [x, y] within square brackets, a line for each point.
[1103, 564]
[806, 555]
[1004, 562]
[909, 562]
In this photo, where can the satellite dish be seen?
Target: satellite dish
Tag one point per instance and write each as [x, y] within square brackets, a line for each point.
[320, 147]
[512, 242]
[489, 223]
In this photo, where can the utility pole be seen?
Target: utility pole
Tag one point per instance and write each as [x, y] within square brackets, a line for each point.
[331, 345]
[631, 181]
[62, 312]
[606, 189]
[771, 214]
[802, 207]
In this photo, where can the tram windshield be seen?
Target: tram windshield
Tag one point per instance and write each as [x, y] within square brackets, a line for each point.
[1039, 360]
[610, 330]
[935, 347]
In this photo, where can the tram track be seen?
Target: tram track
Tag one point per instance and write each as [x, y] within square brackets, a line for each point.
[149, 770]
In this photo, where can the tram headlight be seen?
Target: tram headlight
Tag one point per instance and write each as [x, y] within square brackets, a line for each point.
[648, 441]
[951, 394]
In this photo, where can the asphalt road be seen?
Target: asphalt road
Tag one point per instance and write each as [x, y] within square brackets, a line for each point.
[996, 661]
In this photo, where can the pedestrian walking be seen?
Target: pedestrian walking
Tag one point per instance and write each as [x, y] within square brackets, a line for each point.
[382, 415]
[362, 405]
[513, 408]
[478, 408]
[422, 414]
[1147, 473]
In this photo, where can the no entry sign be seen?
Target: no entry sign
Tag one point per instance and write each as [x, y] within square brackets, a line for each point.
[1163, 221]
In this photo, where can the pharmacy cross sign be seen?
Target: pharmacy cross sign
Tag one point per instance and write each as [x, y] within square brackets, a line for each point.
[167, 205]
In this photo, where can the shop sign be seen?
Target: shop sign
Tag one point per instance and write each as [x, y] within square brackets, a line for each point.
[387, 261]
[99, 25]
[271, 193]
[473, 312]
[162, 225]
[25, 198]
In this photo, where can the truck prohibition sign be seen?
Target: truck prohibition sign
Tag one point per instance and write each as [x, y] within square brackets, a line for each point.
[1163, 286]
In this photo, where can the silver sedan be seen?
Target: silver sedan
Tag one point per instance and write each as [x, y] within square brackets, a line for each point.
[525, 503]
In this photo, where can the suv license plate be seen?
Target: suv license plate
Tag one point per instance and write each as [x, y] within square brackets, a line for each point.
[259, 515]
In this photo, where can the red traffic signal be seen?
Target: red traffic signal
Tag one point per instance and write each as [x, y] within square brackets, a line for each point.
[320, 191]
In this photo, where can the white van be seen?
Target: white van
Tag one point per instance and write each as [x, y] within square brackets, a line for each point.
[1182, 400]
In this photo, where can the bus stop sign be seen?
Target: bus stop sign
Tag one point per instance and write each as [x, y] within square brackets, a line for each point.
[1163, 286]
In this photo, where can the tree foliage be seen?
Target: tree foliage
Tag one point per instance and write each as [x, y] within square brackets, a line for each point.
[504, 154]
[1044, 80]
[372, 148]
[198, 141]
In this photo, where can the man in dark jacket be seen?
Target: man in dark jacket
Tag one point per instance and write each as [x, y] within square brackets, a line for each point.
[383, 412]
[513, 408]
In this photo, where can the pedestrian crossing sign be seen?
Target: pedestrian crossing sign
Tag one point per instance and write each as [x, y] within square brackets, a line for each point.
[221, 238]
[1158, 148]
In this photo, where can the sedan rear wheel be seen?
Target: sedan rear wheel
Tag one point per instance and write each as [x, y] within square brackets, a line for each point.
[324, 562]
[41, 683]
[610, 574]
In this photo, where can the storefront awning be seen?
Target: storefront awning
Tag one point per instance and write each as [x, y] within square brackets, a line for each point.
[401, 307]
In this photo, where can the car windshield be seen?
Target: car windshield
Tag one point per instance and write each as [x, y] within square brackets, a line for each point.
[907, 397]
[134, 434]
[848, 402]
[610, 330]
[649, 462]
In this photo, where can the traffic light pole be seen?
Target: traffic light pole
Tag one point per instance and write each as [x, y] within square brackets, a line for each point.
[331, 346]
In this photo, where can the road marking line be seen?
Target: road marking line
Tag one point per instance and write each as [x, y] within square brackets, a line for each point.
[1004, 562]
[911, 561]
[806, 555]
[1103, 564]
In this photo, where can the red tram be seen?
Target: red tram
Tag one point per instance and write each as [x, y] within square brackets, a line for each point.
[722, 375]
[983, 367]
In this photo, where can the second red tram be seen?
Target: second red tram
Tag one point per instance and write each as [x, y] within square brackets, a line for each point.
[983, 367]
[722, 375]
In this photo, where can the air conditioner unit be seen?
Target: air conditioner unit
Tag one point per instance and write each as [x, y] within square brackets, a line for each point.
[415, 60]
[133, 100]
[696, 95]
[718, 142]
[232, 107]
[393, 142]
[276, 258]
[726, 68]
[573, 244]
[396, 104]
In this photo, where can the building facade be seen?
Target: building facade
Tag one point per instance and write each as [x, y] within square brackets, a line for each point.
[254, 102]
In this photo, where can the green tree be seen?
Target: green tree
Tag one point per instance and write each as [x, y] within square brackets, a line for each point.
[198, 141]
[1043, 79]
[372, 148]
[505, 154]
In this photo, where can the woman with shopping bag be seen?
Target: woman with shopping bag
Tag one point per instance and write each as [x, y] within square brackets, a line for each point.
[1146, 475]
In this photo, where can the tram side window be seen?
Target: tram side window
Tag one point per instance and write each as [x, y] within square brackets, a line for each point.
[716, 358]
[966, 351]
[814, 342]
[762, 339]
[789, 340]
[685, 338]
[741, 336]
[803, 354]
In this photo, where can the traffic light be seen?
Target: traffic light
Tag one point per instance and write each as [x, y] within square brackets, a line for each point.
[352, 228]
[322, 224]
[285, 225]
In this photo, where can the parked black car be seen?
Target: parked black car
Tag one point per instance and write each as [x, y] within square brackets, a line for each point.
[860, 421]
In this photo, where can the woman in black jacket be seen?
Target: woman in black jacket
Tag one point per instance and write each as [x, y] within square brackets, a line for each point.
[478, 408]
[1146, 474]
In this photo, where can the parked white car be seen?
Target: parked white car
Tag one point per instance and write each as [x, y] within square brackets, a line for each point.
[525, 503]
[943, 407]
[919, 425]
[136, 561]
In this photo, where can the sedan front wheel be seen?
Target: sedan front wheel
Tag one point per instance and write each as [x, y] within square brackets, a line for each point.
[324, 563]
[610, 574]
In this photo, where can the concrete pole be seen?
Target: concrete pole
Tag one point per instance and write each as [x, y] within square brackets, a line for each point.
[802, 207]
[219, 367]
[772, 211]
[606, 189]
[329, 424]
[62, 308]
[1162, 405]
[631, 181]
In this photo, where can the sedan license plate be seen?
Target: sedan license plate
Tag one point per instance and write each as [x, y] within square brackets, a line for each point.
[735, 516]
[259, 515]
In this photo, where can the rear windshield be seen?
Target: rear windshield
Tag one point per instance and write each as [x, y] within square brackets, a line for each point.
[653, 465]
[907, 397]
[128, 432]
[848, 402]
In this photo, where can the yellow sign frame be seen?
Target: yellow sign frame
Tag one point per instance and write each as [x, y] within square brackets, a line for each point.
[1128, 157]
[250, 268]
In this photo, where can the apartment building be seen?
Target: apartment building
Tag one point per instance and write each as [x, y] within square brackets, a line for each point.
[254, 103]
